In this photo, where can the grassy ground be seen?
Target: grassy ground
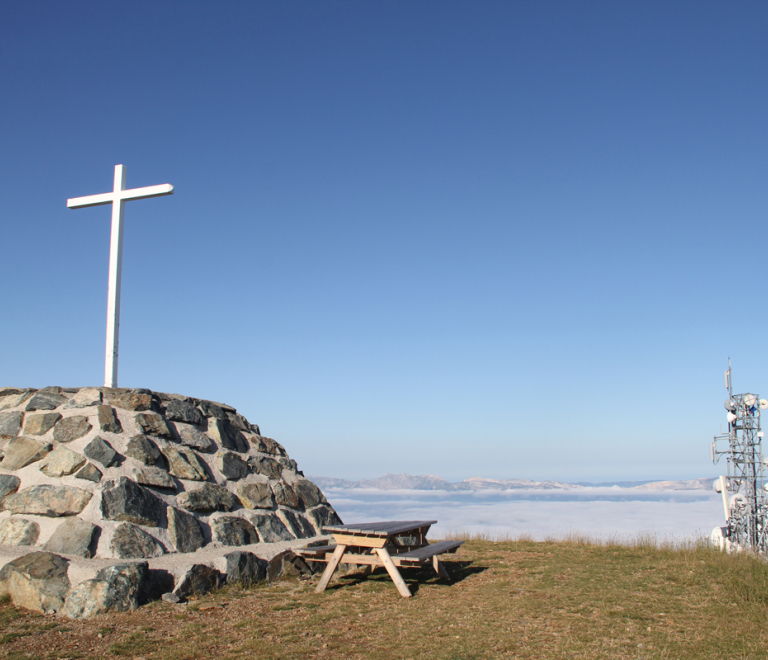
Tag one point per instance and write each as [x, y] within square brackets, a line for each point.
[518, 599]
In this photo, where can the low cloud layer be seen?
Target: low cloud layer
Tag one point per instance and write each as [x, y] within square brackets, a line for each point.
[596, 512]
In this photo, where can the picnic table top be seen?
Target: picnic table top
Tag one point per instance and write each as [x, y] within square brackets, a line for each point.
[387, 528]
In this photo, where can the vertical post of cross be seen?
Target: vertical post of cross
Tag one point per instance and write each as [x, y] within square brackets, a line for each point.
[115, 277]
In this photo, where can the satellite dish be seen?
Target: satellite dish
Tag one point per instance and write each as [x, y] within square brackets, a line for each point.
[716, 485]
[732, 417]
[765, 461]
[737, 501]
[750, 400]
[763, 404]
[730, 404]
[765, 486]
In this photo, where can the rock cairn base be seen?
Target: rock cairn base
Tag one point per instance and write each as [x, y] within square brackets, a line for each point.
[166, 495]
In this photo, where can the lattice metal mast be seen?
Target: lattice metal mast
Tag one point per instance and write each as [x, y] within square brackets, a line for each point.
[745, 500]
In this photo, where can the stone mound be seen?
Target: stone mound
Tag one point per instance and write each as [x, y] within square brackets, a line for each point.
[106, 474]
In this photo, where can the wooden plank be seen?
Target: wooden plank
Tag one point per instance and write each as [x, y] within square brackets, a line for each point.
[439, 568]
[361, 560]
[387, 528]
[361, 541]
[431, 550]
[402, 587]
[421, 555]
[331, 568]
[314, 551]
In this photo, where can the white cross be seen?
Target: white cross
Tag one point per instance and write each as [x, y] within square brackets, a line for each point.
[117, 198]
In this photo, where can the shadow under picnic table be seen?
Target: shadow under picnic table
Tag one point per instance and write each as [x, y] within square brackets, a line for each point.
[414, 577]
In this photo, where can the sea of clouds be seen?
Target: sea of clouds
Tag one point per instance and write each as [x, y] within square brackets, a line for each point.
[600, 513]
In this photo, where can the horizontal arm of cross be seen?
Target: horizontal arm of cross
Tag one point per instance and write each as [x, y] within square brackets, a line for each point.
[120, 195]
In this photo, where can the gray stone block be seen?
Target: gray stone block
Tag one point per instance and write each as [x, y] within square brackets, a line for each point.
[172, 598]
[231, 530]
[255, 495]
[71, 428]
[73, 537]
[10, 423]
[108, 421]
[231, 465]
[51, 501]
[270, 528]
[210, 497]
[21, 451]
[14, 398]
[269, 467]
[287, 564]
[61, 462]
[226, 436]
[128, 399]
[40, 424]
[267, 445]
[185, 464]
[308, 493]
[131, 542]
[195, 439]
[184, 531]
[297, 523]
[18, 531]
[37, 581]
[153, 424]
[124, 500]
[213, 409]
[8, 484]
[116, 589]
[288, 464]
[284, 495]
[245, 567]
[198, 579]
[152, 476]
[86, 397]
[142, 449]
[89, 472]
[238, 422]
[45, 401]
[183, 411]
[321, 516]
[101, 451]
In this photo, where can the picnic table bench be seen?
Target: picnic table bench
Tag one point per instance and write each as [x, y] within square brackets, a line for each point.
[393, 544]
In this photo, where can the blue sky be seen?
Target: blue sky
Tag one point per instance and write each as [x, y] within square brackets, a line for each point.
[511, 239]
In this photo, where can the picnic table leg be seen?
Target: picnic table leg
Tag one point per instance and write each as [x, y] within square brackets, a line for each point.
[331, 568]
[402, 587]
[439, 568]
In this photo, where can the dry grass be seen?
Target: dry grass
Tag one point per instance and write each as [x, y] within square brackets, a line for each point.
[509, 599]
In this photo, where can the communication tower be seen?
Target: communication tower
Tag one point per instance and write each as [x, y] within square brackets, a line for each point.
[745, 500]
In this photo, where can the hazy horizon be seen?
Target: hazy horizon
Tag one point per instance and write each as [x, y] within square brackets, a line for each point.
[458, 479]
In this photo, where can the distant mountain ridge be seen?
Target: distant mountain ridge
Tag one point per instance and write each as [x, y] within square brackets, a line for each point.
[432, 482]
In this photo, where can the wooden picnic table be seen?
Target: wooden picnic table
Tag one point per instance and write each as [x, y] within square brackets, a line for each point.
[393, 544]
